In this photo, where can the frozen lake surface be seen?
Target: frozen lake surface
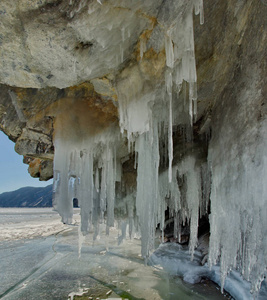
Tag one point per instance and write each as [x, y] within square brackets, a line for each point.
[39, 260]
[25, 223]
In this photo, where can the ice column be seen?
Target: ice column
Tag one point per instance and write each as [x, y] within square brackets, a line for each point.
[61, 200]
[193, 197]
[147, 187]
[86, 189]
[110, 186]
[168, 80]
[186, 209]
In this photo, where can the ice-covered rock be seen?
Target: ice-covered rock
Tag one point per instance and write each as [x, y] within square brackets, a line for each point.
[144, 110]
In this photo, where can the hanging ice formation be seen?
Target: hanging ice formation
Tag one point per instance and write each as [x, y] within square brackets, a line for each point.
[238, 199]
[143, 111]
[87, 165]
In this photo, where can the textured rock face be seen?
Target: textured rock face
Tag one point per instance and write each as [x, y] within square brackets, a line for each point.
[81, 68]
[62, 43]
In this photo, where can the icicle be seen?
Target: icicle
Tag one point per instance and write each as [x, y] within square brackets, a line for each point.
[193, 196]
[130, 205]
[147, 177]
[71, 188]
[135, 159]
[162, 222]
[121, 53]
[110, 189]
[197, 7]
[118, 170]
[178, 75]
[97, 179]
[185, 92]
[169, 51]
[61, 199]
[199, 10]
[123, 34]
[81, 239]
[103, 192]
[142, 47]
[86, 191]
[74, 65]
[177, 228]
[192, 101]
[205, 184]
[168, 80]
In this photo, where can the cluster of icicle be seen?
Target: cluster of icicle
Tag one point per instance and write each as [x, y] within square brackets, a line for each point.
[141, 117]
[89, 169]
[86, 170]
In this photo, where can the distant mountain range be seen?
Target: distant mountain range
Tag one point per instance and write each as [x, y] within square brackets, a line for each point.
[28, 197]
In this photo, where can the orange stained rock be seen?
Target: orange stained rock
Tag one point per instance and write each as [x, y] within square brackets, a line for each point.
[81, 118]
[35, 167]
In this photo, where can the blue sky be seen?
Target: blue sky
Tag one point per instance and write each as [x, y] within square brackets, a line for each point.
[13, 172]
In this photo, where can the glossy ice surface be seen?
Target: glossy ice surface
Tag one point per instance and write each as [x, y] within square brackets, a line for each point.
[37, 265]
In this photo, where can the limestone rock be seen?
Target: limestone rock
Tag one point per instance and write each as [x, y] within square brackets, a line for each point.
[39, 168]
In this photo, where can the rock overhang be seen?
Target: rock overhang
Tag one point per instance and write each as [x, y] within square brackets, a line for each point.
[57, 52]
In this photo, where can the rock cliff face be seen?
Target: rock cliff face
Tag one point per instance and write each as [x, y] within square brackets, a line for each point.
[176, 107]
